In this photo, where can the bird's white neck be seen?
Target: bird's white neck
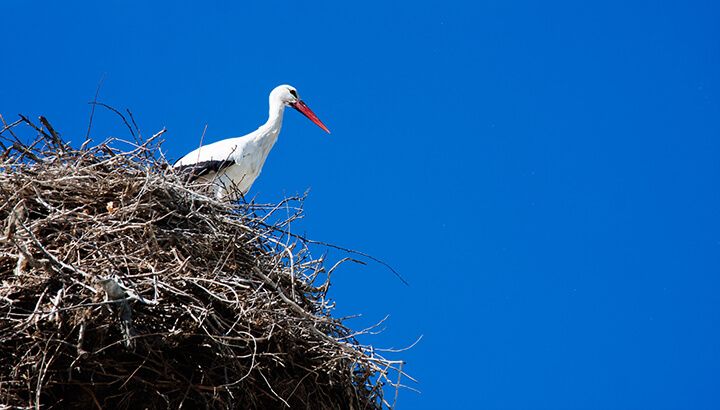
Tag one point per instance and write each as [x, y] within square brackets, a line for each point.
[275, 118]
[266, 136]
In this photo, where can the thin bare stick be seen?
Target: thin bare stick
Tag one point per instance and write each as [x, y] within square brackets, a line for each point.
[92, 110]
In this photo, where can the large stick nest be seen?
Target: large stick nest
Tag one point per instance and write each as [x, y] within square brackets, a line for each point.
[122, 287]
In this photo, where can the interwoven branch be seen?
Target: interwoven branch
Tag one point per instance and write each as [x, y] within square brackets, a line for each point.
[122, 287]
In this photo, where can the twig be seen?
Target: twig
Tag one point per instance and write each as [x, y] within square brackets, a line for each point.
[92, 112]
[125, 121]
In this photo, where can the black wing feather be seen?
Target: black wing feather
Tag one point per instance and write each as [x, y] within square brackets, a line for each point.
[197, 170]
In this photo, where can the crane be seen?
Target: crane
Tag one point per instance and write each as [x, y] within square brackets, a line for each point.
[232, 165]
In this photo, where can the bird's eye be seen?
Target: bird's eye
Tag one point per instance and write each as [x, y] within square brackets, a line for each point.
[294, 93]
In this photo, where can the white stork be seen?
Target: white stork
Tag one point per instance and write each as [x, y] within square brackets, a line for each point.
[233, 164]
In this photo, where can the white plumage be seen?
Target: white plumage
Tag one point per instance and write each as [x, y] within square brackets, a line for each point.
[233, 164]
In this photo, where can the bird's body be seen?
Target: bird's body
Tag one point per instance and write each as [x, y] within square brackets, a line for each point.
[232, 165]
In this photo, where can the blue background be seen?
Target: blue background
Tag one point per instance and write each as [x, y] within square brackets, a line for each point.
[545, 174]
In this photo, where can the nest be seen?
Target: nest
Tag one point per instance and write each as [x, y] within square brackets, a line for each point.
[123, 287]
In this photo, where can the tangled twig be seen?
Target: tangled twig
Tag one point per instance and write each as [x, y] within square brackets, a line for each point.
[123, 287]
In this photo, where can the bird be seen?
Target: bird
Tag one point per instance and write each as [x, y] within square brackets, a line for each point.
[232, 165]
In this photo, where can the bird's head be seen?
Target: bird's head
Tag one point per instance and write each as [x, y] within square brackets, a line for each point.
[288, 95]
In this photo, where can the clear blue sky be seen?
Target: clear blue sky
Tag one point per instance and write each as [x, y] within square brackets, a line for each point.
[545, 174]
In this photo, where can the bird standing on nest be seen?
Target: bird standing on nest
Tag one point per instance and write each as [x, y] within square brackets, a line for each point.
[233, 164]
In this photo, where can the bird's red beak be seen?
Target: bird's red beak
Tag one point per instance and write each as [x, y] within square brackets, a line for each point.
[306, 111]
